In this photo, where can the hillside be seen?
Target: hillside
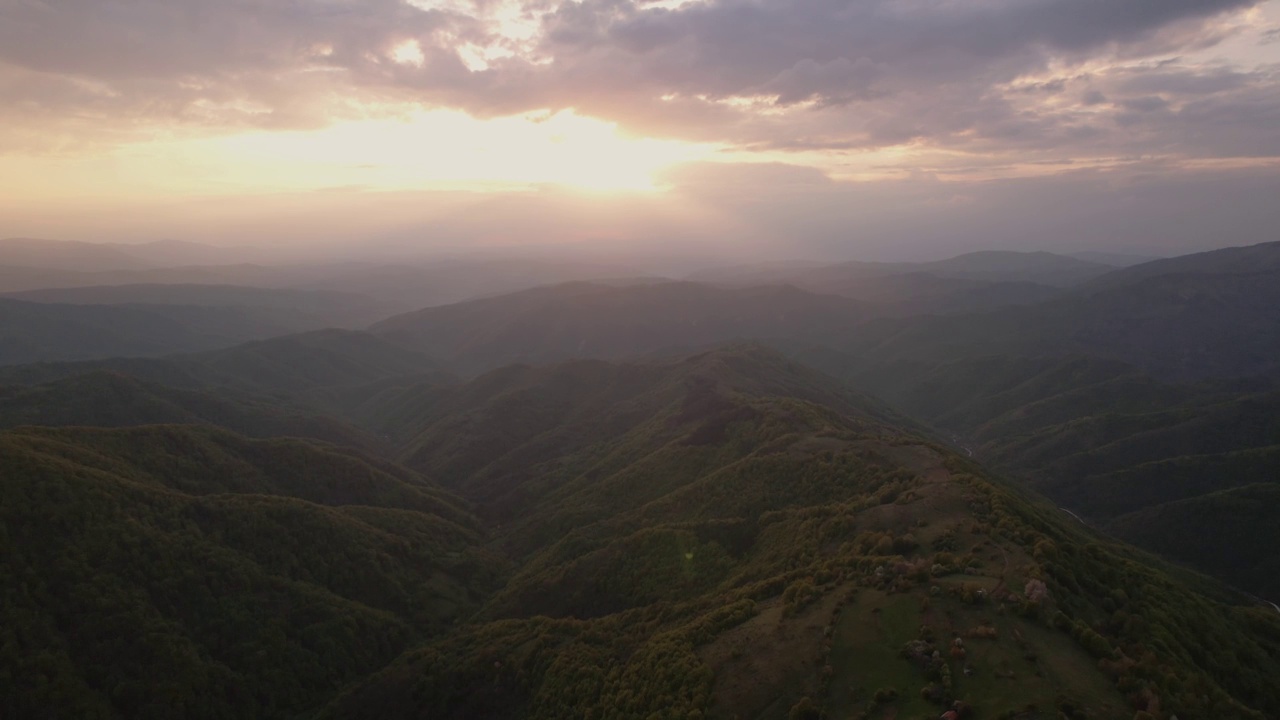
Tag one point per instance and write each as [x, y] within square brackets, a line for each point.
[37, 332]
[719, 545]
[725, 534]
[1106, 440]
[481, 437]
[169, 571]
[1233, 531]
[607, 322]
[106, 399]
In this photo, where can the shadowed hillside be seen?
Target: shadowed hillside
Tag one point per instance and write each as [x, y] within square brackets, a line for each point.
[1106, 441]
[153, 571]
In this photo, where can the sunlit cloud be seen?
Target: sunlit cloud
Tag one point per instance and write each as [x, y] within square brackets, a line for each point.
[179, 98]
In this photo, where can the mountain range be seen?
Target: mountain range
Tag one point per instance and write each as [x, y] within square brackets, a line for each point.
[1006, 485]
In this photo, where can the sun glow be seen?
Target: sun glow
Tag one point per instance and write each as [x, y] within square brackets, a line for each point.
[421, 150]
[442, 147]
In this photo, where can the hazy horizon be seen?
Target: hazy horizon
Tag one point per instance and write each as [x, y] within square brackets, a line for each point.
[874, 130]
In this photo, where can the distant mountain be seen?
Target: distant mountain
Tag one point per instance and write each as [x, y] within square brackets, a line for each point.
[1250, 260]
[309, 361]
[1184, 325]
[244, 578]
[602, 321]
[291, 365]
[17, 278]
[1008, 266]
[114, 256]
[921, 293]
[1176, 326]
[413, 286]
[327, 309]
[964, 284]
[105, 399]
[180, 253]
[66, 255]
[34, 332]
[1120, 260]
[1040, 268]
[393, 288]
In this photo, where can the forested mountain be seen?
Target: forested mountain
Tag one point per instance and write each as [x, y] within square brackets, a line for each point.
[1115, 446]
[178, 572]
[725, 544]
[647, 518]
[606, 321]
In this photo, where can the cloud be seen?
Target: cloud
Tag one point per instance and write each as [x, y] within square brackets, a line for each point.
[1039, 78]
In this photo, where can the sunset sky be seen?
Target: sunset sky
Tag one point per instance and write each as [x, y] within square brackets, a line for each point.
[783, 128]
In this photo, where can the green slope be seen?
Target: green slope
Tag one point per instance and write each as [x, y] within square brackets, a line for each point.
[1104, 439]
[175, 572]
[1234, 531]
[729, 534]
[728, 549]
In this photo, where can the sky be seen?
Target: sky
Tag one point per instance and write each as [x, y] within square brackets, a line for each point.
[870, 129]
